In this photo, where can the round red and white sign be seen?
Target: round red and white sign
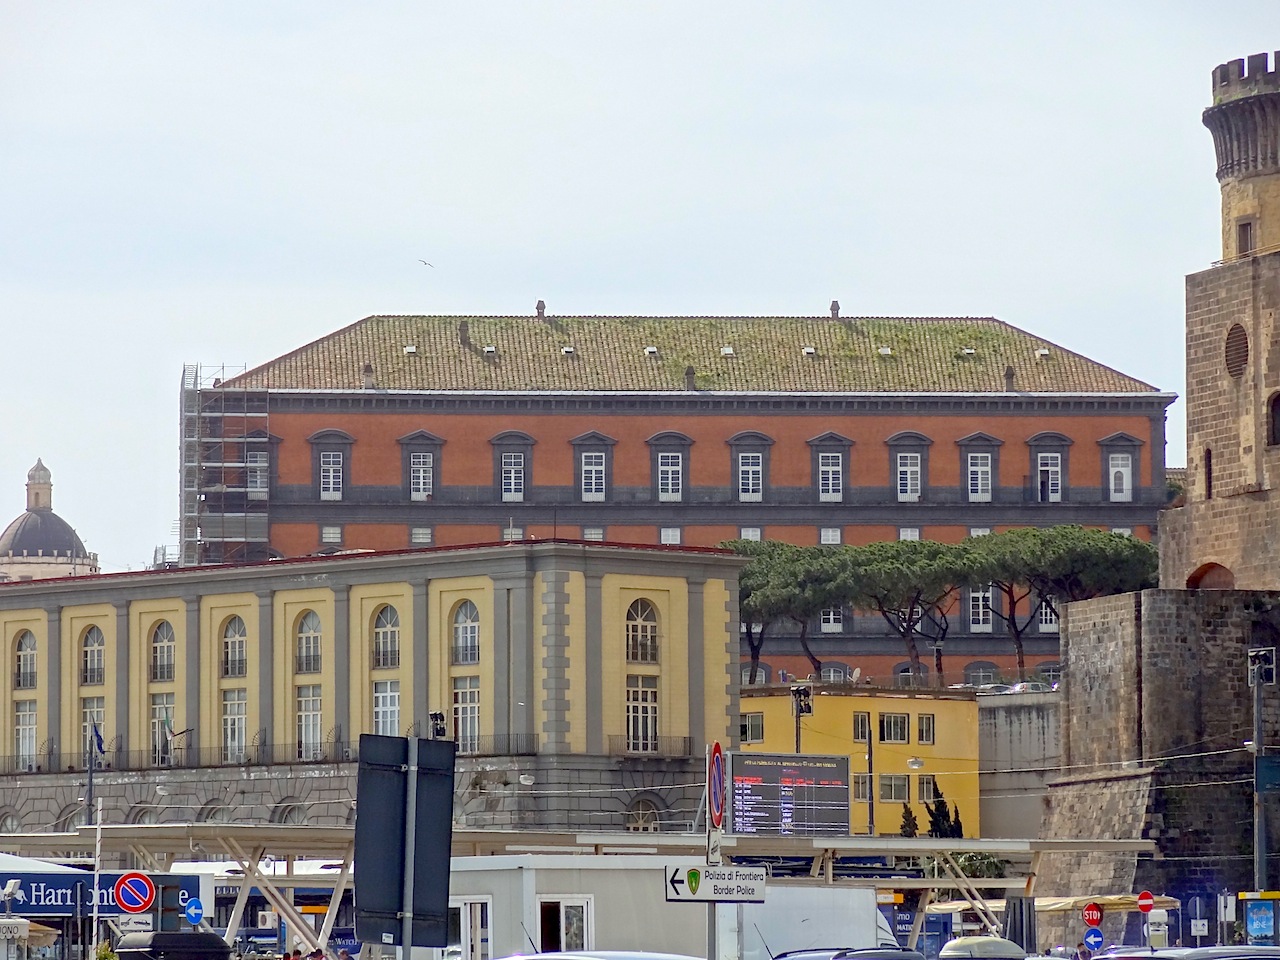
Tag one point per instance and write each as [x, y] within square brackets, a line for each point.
[135, 892]
[1146, 901]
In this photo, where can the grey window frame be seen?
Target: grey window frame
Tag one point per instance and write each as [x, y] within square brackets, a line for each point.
[331, 441]
[505, 444]
[827, 444]
[1049, 442]
[669, 442]
[749, 443]
[594, 443]
[979, 444]
[908, 442]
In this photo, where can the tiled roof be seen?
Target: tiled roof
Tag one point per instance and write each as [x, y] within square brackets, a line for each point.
[848, 355]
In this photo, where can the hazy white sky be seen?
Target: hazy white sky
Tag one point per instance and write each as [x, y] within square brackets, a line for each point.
[222, 182]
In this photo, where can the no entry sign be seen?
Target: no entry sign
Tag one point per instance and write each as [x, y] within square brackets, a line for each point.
[1146, 901]
[715, 786]
[1092, 915]
[135, 892]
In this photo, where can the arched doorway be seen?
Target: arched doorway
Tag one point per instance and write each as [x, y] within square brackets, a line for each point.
[1211, 576]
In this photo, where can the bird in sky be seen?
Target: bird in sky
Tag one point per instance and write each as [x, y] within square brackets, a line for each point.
[431, 265]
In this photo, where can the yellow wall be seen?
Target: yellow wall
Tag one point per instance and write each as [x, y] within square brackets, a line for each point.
[12, 623]
[215, 612]
[289, 606]
[445, 596]
[720, 719]
[952, 759]
[76, 621]
[365, 602]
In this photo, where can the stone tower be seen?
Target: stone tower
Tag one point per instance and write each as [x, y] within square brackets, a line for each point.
[1228, 533]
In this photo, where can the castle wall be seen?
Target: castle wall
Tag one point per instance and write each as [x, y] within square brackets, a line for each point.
[1019, 744]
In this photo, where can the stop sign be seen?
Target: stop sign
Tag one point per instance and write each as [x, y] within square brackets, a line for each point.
[1092, 914]
[1146, 901]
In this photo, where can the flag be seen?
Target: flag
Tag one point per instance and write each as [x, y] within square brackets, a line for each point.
[168, 725]
[97, 739]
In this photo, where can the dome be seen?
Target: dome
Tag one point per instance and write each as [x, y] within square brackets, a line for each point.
[41, 530]
[39, 473]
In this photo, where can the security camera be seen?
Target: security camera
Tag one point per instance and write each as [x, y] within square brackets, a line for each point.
[12, 887]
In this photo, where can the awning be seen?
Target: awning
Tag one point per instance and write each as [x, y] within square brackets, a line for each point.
[1122, 902]
[38, 935]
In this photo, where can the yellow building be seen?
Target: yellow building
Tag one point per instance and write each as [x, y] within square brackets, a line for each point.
[593, 673]
[904, 746]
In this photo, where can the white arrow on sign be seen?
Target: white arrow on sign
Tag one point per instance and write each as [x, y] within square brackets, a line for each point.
[712, 884]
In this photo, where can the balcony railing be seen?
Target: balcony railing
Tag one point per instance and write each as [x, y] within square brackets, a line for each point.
[651, 746]
[235, 668]
[161, 671]
[518, 744]
[465, 653]
[24, 680]
[90, 676]
[386, 659]
[307, 663]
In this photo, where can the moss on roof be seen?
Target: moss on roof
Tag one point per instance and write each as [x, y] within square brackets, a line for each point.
[853, 355]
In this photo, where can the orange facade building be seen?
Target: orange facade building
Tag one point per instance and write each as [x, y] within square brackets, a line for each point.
[401, 431]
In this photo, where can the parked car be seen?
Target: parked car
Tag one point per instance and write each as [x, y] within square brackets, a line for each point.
[1030, 686]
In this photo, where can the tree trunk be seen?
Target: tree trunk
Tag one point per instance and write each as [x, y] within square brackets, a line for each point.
[937, 665]
[804, 645]
[755, 642]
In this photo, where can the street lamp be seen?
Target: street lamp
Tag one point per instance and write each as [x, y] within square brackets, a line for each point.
[437, 725]
[915, 763]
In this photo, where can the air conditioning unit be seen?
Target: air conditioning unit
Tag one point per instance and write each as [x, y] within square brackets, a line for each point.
[268, 920]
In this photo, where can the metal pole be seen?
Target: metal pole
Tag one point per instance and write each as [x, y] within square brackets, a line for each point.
[410, 845]
[1259, 817]
[795, 708]
[871, 780]
[97, 874]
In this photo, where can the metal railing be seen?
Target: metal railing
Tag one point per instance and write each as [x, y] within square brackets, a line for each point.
[90, 676]
[24, 680]
[651, 746]
[161, 671]
[235, 668]
[462, 654]
[499, 745]
[307, 663]
[385, 659]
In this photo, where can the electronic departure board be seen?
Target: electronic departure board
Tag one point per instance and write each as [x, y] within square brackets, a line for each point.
[788, 795]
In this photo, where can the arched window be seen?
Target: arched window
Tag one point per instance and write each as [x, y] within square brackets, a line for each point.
[642, 632]
[163, 650]
[308, 660]
[644, 817]
[762, 674]
[24, 677]
[234, 663]
[93, 656]
[10, 823]
[1273, 421]
[466, 633]
[386, 638]
[834, 673]
[1050, 672]
[980, 672]
[905, 677]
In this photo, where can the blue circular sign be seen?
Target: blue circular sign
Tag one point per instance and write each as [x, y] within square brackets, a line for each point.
[195, 911]
[1093, 938]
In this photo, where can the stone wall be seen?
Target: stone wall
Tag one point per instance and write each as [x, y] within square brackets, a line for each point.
[1019, 749]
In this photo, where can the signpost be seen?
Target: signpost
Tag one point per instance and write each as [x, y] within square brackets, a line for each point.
[716, 792]
[194, 912]
[1092, 914]
[135, 892]
[715, 884]
[1146, 901]
[1093, 938]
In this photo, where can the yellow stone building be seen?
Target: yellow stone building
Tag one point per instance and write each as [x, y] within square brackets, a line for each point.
[580, 681]
[904, 746]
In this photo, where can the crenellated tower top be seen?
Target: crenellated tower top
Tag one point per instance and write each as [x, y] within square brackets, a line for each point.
[1245, 123]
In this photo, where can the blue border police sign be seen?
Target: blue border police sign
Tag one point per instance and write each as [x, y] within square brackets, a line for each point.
[135, 892]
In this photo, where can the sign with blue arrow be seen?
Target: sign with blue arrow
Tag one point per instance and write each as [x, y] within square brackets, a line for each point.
[1093, 938]
[194, 912]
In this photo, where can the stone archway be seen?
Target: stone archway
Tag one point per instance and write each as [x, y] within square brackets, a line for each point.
[1211, 576]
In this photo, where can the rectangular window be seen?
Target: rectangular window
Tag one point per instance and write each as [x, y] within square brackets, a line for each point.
[93, 710]
[512, 533]
[861, 727]
[895, 727]
[750, 477]
[749, 533]
[1123, 531]
[422, 468]
[908, 533]
[512, 477]
[1120, 471]
[310, 736]
[671, 477]
[908, 471]
[593, 533]
[752, 727]
[24, 734]
[861, 787]
[421, 536]
[257, 478]
[979, 531]
[162, 729]
[979, 478]
[331, 476]
[895, 788]
[235, 720]
[331, 535]
[829, 535]
[642, 714]
[592, 476]
[1049, 471]
[831, 620]
[669, 535]
[386, 708]
[466, 713]
[1244, 238]
[830, 477]
[980, 611]
[163, 656]
[924, 728]
[1047, 620]
[927, 788]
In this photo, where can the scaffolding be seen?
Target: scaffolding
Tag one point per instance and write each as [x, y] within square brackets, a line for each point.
[226, 467]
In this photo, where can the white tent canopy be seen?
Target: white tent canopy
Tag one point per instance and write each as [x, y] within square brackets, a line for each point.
[11, 864]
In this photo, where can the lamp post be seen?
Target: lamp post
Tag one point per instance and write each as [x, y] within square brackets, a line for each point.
[801, 706]
[871, 781]
[1262, 670]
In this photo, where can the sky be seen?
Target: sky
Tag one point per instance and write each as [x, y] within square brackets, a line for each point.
[221, 183]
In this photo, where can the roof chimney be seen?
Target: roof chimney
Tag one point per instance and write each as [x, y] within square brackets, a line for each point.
[464, 333]
[1008, 379]
[835, 309]
[366, 376]
[689, 380]
[542, 310]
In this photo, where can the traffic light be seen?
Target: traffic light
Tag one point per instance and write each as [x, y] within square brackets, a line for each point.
[802, 700]
[1262, 665]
